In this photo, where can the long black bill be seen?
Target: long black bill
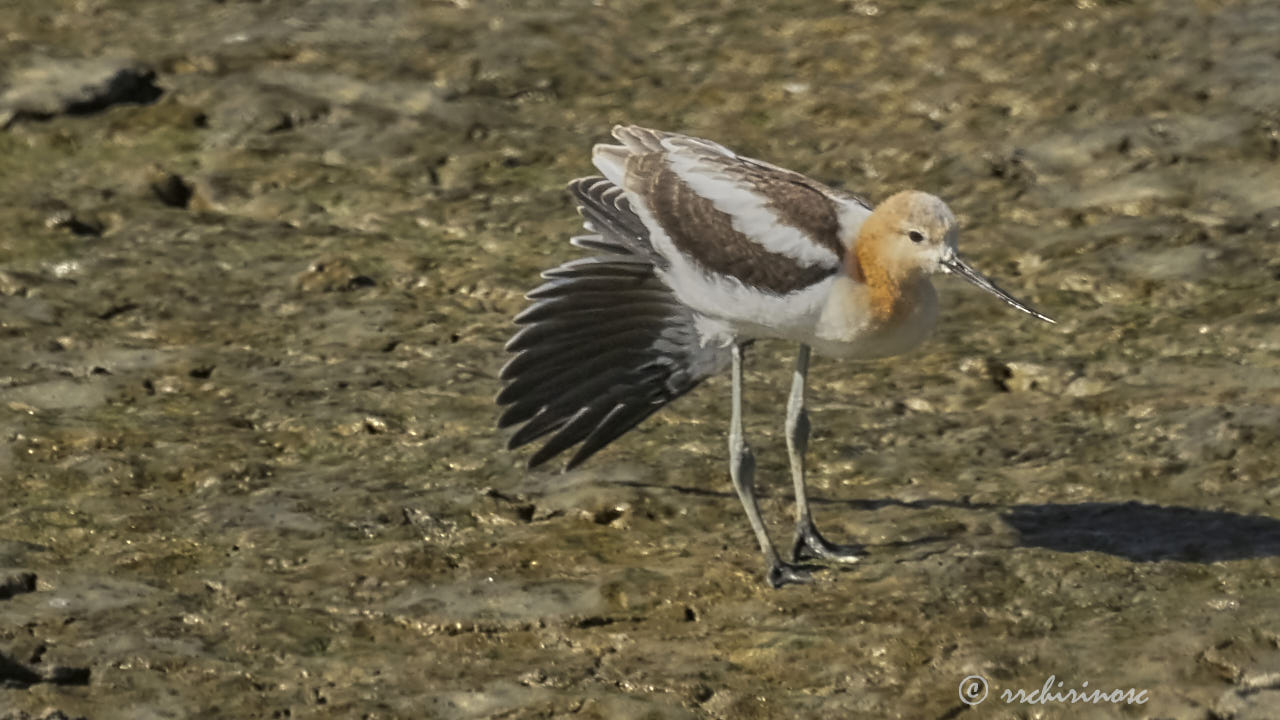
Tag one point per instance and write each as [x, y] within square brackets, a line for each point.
[955, 264]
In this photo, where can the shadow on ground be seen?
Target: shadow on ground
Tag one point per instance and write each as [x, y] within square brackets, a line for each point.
[1136, 531]
[1146, 533]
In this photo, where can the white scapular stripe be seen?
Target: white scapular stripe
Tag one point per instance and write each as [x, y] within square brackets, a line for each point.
[742, 312]
[748, 210]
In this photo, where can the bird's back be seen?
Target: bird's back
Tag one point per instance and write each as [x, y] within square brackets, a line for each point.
[742, 241]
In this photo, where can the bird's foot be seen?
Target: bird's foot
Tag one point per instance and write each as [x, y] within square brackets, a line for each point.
[785, 573]
[810, 545]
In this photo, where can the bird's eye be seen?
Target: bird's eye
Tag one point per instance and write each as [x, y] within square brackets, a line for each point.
[916, 236]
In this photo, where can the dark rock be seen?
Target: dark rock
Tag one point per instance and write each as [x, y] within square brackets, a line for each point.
[48, 87]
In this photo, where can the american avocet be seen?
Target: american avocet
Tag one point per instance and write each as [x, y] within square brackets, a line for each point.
[701, 251]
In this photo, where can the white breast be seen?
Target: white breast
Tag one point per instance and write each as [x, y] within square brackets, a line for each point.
[846, 328]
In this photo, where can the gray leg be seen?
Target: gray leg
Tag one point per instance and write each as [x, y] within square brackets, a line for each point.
[809, 543]
[742, 467]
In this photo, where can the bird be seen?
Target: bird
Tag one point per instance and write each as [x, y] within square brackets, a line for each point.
[693, 253]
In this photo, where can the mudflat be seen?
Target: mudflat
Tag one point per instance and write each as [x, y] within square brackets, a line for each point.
[258, 262]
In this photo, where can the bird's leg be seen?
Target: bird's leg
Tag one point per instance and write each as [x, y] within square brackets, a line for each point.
[809, 543]
[742, 467]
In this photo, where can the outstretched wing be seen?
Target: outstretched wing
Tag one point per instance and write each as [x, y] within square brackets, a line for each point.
[605, 344]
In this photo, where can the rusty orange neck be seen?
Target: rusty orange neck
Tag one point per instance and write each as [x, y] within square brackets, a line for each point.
[887, 287]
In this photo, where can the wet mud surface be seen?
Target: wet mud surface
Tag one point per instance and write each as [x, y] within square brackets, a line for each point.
[258, 261]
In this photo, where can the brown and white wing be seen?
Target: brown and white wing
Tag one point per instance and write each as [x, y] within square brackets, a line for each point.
[772, 229]
[605, 343]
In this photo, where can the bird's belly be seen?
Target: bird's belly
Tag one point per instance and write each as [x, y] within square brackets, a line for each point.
[831, 316]
[745, 313]
[875, 344]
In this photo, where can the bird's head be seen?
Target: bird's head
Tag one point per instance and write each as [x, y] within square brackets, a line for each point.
[915, 233]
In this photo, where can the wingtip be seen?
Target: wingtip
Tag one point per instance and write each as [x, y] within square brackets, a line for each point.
[622, 131]
[636, 138]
